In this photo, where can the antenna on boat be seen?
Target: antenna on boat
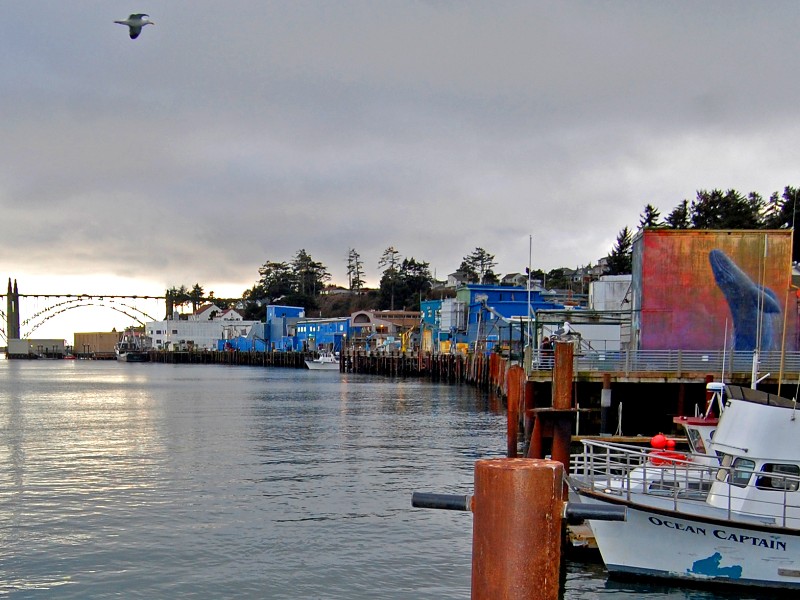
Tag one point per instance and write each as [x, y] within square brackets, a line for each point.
[724, 350]
[762, 269]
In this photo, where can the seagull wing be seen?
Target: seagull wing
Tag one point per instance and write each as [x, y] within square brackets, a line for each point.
[135, 31]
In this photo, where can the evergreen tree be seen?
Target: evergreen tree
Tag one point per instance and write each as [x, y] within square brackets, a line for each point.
[781, 213]
[355, 270]
[650, 217]
[679, 217]
[179, 296]
[309, 278]
[390, 262]
[196, 296]
[254, 303]
[277, 280]
[729, 210]
[415, 279]
[620, 261]
[478, 267]
[556, 280]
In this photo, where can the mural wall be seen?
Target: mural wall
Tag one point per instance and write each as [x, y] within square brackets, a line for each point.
[691, 286]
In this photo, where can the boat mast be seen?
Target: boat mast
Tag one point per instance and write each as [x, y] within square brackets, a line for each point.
[760, 319]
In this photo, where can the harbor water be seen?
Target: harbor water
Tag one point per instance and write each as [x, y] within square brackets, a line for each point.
[183, 481]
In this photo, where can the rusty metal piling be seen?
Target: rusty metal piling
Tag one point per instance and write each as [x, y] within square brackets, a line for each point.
[517, 529]
[520, 513]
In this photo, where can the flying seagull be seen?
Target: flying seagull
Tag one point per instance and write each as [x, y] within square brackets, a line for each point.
[135, 23]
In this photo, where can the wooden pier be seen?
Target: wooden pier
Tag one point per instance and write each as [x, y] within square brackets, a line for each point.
[295, 360]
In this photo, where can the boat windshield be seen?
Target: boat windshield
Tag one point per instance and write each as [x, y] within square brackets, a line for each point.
[695, 440]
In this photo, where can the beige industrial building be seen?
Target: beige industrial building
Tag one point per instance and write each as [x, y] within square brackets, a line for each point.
[96, 345]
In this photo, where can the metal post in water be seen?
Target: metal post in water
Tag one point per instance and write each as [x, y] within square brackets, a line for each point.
[517, 529]
[518, 526]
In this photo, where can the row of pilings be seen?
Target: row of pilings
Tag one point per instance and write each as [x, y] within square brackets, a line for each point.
[295, 360]
[481, 370]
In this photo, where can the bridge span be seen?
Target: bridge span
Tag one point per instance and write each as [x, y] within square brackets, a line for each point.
[58, 303]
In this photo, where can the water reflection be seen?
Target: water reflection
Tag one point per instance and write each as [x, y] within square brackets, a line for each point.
[234, 482]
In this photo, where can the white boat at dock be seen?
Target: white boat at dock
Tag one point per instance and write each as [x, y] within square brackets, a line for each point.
[326, 361]
[745, 530]
[133, 346]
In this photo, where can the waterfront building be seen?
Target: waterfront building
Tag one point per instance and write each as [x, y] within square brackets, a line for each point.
[36, 348]
[712, 289]
[385, 330]
[281, 326]
[278, 333]
[98, 344]
[201, 330]
[497, 313]
[322, 334]
[610, 292]
[442, 320]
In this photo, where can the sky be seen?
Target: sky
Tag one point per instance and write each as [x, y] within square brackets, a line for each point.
[232, 134]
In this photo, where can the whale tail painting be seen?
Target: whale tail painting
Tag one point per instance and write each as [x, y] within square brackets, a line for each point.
[747, 302]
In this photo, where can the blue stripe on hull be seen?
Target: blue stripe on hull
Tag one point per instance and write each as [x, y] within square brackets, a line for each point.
[666, 575]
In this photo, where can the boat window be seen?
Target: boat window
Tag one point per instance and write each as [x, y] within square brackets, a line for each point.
[695, 441]
[742, 470]
[781, 477]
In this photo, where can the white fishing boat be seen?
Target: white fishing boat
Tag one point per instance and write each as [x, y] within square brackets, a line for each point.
[133, 346]
[744, 531]
[326, 361]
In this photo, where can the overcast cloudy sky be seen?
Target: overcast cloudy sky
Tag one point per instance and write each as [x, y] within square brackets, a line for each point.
[232, 133]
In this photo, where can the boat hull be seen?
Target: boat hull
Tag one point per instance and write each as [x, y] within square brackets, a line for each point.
[672, 545]
[137, 357]
[322, 366]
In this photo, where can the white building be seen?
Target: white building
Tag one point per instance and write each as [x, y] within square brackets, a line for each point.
[199, 331]
[610, 292]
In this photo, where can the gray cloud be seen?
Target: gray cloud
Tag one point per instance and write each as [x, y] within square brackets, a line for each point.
[231, 134]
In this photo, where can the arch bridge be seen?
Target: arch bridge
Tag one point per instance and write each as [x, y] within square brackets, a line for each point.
[57, 304]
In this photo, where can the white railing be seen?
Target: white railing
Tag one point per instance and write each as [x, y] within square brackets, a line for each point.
[625, 471]
[677, 361]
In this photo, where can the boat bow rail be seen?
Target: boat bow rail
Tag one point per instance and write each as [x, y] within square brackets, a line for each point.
[625, 469]
[629, 473]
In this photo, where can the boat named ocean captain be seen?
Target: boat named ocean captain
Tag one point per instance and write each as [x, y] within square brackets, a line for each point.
[745, 530]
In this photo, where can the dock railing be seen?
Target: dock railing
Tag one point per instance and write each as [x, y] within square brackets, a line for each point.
[676, 361]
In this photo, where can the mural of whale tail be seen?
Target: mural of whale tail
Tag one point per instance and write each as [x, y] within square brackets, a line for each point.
[752, 306]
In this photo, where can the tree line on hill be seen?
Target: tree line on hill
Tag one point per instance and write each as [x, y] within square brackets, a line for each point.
[713, 209]
[406, 281]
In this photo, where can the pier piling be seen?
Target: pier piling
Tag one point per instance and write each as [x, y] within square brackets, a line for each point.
[517, 529]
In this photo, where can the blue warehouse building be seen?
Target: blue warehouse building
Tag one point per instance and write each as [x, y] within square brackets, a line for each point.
[482, 315]
[322, 334]
[277, 334]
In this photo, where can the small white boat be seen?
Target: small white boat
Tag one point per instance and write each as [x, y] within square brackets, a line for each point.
[744, 531]
[324, 362]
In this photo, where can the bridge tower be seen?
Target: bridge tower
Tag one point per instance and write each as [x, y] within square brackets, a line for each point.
[12, 312]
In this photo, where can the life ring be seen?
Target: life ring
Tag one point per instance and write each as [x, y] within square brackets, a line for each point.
[666, 457]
